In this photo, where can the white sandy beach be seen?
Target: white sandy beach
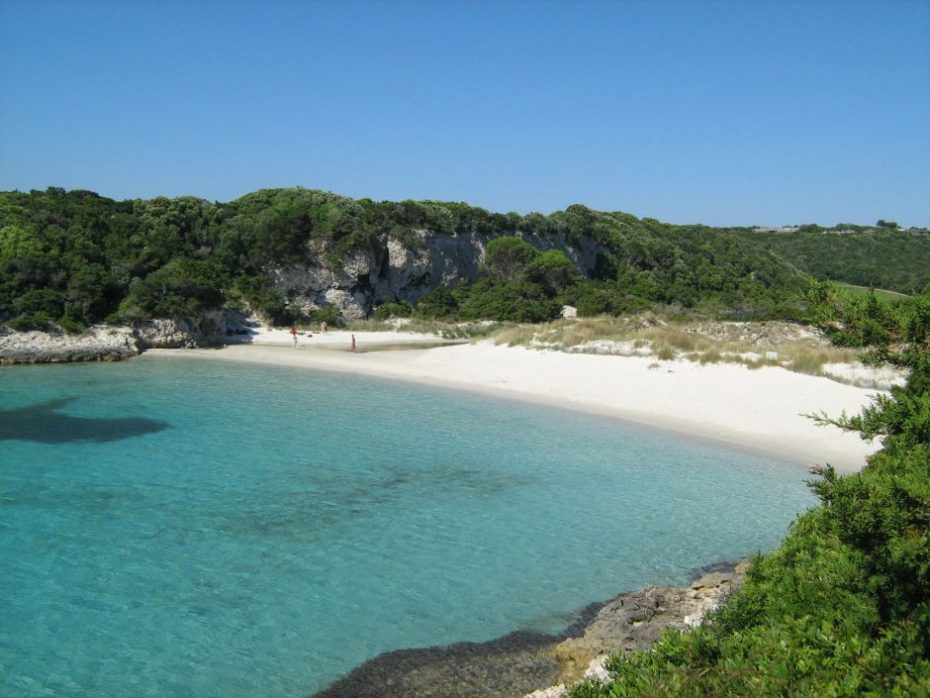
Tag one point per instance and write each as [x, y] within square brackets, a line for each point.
[759, 409]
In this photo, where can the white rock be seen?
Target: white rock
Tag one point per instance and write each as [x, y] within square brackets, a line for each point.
[862, 376]
[596, 670]
[98, 343]
[202, 330]
[346, 304]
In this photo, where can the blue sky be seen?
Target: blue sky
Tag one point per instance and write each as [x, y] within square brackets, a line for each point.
[725, 113]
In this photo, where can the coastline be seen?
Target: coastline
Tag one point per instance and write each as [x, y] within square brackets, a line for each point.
[760, 410]
[719, 402]
[533, 665]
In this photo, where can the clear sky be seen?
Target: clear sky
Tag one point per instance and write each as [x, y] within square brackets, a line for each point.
[739, 113]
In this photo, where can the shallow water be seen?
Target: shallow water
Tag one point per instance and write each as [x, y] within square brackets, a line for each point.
[191, 528]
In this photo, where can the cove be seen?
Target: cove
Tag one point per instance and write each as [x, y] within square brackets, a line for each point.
[194, 528]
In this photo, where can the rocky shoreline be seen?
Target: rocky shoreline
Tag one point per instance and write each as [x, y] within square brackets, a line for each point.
[534, 665]
[110, 343]
[96, 344]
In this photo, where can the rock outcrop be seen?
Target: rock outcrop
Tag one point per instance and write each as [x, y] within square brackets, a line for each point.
[513, 665]
[636, 621]
[203, 330]
[99, 343]
[106, 343]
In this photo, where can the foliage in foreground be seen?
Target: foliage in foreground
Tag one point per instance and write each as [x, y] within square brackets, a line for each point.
[842, 608]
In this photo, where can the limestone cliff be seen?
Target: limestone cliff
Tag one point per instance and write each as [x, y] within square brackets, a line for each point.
[389, 270]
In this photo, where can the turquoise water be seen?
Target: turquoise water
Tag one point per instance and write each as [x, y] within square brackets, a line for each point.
[193, 528]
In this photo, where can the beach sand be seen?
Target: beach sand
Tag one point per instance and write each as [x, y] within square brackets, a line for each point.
[755, 409]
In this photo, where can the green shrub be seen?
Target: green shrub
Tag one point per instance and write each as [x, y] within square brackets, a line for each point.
[439, 303]
[400, 309]
[327, 314]
[70, 325]
[508, 301]
[181, 288]
[31, 321]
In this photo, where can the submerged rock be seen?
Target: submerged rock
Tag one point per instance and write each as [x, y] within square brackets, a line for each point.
[508, 666]
[520, 663]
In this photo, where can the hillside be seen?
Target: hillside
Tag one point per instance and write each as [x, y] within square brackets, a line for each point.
[75, 258]
[886, 259]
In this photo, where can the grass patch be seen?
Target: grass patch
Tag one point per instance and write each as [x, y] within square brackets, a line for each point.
[517, 335]
[664, 351]
[446, 330]
[807, 359]
[884, 294]
[752, 344]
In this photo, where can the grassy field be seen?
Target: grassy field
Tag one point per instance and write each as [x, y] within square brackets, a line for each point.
[890, 296]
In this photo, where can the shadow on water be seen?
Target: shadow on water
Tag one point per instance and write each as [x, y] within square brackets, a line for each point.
[44, 423]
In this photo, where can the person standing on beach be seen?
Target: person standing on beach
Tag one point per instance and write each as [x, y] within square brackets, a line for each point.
[294, 335]
[353, 342]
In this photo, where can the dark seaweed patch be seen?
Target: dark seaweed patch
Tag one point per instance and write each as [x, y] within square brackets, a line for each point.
[44, 423]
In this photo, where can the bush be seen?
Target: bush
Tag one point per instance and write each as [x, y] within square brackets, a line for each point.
[31, 321]
[518, 301]
[400, 309]
[327, 314]
[438, 304]
[181, 288]
[44, 301]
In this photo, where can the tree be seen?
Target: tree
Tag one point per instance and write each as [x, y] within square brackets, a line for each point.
[553, 270]
[183, 287]
[903, 340]
[91, 294]
[509, 257]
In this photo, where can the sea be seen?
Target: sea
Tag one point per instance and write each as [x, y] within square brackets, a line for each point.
[182, 527]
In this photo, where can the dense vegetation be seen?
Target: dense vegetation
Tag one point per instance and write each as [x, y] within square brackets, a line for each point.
[640, 263]
[74, 258]
[882, 258]
[842, 608]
